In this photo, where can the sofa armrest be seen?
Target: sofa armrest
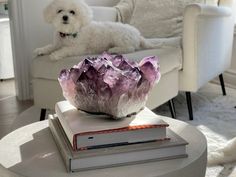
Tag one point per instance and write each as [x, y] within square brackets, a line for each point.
[208, 10]
[101, 13]
[228, 3]
[207, 44]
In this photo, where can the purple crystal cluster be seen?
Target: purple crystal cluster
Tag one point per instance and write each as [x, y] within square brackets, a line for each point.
[110, 84]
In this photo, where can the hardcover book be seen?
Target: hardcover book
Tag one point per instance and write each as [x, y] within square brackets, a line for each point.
[174, 147]
[85, 130]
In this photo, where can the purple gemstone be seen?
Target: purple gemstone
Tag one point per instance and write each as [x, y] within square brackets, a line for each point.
[110, 84]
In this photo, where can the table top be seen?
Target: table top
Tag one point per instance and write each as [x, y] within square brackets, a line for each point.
[31, 151]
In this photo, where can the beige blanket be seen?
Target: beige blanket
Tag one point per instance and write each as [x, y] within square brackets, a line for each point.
[125, 10]
[155, 18]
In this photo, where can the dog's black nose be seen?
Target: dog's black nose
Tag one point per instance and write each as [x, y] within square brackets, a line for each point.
[65, 17]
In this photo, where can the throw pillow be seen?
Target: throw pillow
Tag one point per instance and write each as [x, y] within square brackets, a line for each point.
[212, 2]
[155, 18]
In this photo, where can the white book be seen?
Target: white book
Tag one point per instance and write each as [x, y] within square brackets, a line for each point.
[85, 130]
[74, 161]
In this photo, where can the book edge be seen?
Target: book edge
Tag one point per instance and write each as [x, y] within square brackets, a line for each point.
[137, 147]
[58, 110]
[130, 163]
[70, 135]
[68, 166]
[60, 143]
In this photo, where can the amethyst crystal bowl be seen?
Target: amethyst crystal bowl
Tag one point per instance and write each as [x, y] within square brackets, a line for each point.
[110, 84]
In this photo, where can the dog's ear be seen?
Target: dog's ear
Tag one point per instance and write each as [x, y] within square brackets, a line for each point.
[85, 12]
[50, 12]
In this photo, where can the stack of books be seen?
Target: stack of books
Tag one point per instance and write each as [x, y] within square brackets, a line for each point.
[88, 141]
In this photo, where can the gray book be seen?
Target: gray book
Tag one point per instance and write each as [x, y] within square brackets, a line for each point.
[105, 157]
[85, 130]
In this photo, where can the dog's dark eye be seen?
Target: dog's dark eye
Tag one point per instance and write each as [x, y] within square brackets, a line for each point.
[59, 11]
[72, 12]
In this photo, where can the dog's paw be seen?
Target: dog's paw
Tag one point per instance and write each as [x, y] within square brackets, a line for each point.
[39, 52]
[54, 56]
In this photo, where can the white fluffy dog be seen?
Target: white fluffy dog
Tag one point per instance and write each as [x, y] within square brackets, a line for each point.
[77, 34]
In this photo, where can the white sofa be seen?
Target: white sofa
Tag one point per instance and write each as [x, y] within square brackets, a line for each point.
[204, 54]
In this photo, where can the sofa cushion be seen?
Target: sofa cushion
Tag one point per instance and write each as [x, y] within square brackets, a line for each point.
[105, 3]
[104, 13]
[155, 18]
[170, 59]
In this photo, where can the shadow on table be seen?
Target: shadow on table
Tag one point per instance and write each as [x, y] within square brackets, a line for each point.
[39, 155]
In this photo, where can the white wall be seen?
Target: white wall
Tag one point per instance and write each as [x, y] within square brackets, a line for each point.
[6, 62]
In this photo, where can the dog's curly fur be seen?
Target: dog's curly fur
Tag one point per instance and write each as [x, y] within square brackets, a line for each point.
[84, 36]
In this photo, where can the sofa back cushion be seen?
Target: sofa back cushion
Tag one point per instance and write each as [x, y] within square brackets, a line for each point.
[155, 18]
[106, 3]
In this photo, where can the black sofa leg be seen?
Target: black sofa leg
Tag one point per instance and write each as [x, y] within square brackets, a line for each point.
[43, 114]
[189, 103]
[222, 84]
[172, 108]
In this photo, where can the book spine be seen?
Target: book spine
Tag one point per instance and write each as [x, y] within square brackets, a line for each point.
[124, 144]
[66, 155]
[118, 135]
[113, 138]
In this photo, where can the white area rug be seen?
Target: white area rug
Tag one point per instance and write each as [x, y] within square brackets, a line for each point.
[214, 115]
[216, 118]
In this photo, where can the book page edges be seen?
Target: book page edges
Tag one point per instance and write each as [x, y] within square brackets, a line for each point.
[130, 163]
[60, 142]
[71, 136]
[123, 129]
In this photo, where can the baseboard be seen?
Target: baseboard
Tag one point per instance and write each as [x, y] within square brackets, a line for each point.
[229, 78]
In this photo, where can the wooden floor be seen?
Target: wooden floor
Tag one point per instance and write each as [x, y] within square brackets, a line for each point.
[10, 107]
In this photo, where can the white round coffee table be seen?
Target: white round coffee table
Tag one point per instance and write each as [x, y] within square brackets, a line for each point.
[30, 151]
